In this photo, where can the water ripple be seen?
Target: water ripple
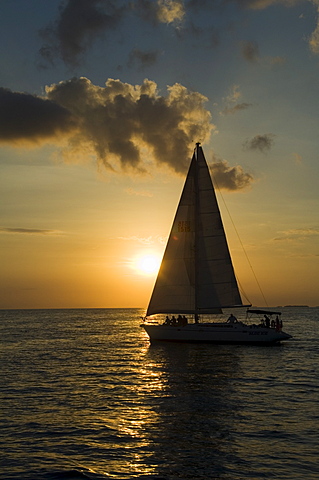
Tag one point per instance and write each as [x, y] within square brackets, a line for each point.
[85, 397]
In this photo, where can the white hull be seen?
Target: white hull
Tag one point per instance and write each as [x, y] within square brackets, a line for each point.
[215, 333]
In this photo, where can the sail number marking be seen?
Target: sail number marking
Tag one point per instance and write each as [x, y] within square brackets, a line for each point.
[184, 226]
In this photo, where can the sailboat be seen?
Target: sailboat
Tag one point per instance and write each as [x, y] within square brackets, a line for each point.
[196, 278]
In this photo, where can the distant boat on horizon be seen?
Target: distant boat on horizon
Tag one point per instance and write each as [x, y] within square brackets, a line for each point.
[196, 278]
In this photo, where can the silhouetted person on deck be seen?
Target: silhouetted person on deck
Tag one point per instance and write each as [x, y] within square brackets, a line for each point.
[232, 319]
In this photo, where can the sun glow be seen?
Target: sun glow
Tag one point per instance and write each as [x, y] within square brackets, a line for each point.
[147, 264]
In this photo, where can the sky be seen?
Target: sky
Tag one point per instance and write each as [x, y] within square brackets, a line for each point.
[101, 104]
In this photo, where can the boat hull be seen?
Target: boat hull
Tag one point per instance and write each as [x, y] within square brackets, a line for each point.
[220, 333]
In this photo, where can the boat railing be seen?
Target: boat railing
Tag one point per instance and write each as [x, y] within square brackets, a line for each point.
[251, 318]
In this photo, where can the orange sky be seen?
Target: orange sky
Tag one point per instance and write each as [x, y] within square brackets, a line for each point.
[97, 127]
[89, 257]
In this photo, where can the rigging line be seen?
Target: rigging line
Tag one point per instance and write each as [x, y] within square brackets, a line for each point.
[242, 246]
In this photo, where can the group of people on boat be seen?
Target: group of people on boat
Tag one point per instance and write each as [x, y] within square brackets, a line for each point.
[266, 322]
[277, 324]
[180, 321]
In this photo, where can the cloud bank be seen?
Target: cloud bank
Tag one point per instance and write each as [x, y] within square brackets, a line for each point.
[119, 123]
[80, 22]
[30, 118]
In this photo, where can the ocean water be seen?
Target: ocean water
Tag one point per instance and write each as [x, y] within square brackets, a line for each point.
[84, 396]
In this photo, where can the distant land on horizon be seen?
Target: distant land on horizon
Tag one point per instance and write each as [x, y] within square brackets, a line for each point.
[297, 306]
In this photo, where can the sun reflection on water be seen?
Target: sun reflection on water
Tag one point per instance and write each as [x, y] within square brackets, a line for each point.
[94, 396]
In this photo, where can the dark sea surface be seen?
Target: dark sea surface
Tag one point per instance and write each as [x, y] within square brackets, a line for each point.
[84, 396]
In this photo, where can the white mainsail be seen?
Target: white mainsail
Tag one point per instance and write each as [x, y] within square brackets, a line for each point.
[196, 274]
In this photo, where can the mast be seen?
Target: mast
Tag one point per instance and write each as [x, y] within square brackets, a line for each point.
[197, 219]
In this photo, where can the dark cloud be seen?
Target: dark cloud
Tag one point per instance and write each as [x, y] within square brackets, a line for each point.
[263, 143]
[236, 108]
[121, 119]
[229, 178]
[117, 123]
[31, 118]
[78, 24]
[231, 101]
[250, 51]
[29, 231]
[143, 59]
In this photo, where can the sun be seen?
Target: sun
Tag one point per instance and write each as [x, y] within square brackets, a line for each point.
[147, 264]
